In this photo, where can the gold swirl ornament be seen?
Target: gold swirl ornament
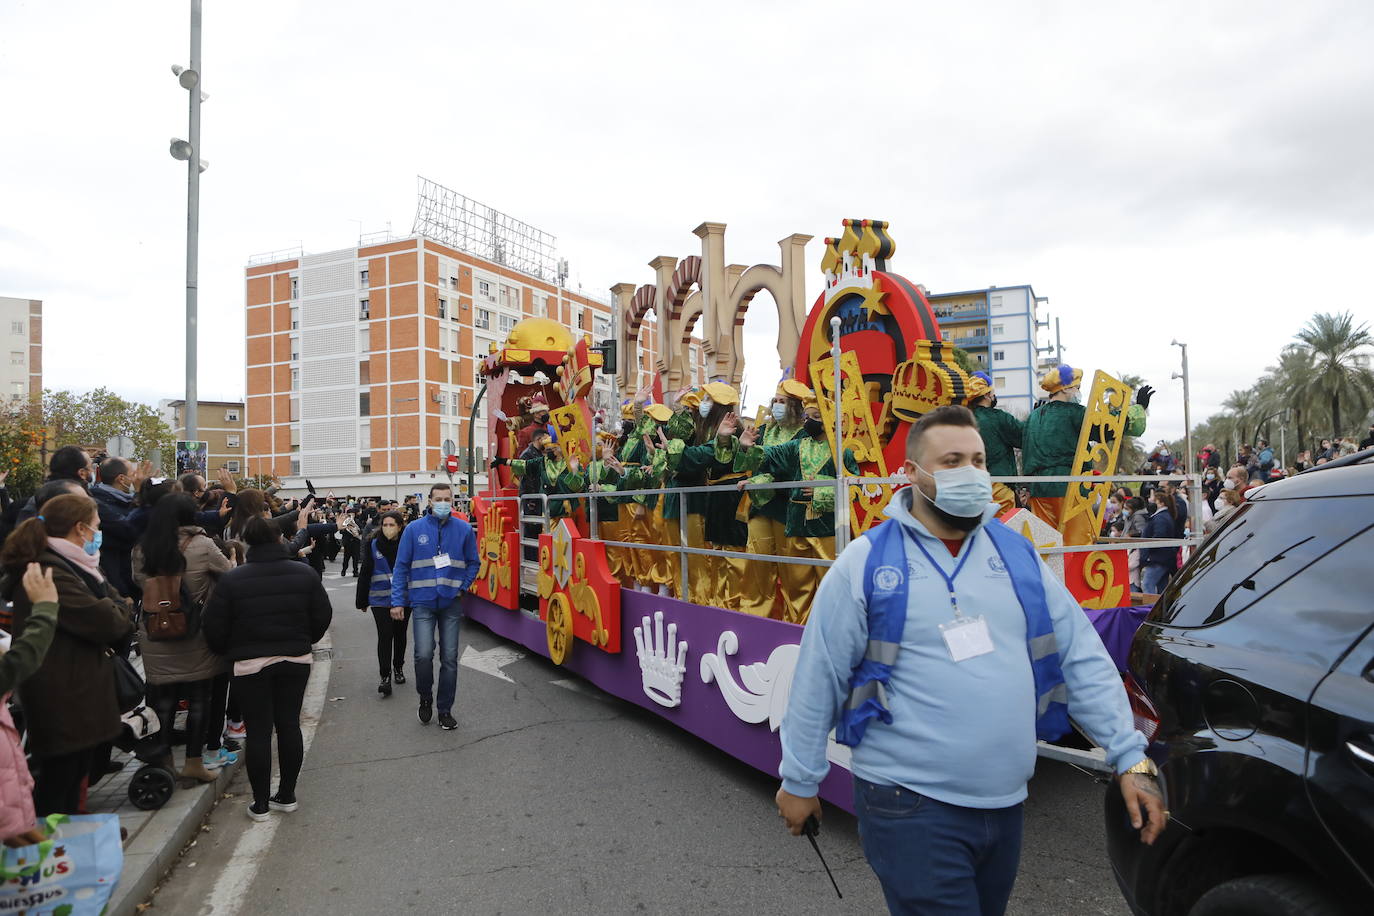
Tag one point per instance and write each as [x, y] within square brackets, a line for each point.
[559, 630]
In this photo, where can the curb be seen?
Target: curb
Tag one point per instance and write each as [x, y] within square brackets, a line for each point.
[155, 848]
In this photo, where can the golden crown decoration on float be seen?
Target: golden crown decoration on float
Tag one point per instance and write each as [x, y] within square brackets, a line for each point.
[930, 379]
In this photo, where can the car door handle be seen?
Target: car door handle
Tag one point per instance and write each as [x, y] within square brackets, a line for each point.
[1360, 753]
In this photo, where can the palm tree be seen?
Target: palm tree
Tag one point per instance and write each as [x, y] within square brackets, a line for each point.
[1292, 385]
[1341, 369]
[1242, 406]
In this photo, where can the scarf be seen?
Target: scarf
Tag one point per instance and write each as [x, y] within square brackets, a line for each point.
[77, 556]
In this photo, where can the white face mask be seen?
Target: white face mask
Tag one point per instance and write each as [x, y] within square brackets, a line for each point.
[704, 408]
[964, 491]
[779, 412]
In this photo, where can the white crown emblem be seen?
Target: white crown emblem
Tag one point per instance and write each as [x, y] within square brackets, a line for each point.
[661, 664]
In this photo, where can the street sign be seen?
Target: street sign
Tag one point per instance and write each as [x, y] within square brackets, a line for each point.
[451, 464]
[449, 447]
[119, 447]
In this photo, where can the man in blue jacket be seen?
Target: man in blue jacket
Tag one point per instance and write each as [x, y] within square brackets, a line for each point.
[436, 562]
[940, 648]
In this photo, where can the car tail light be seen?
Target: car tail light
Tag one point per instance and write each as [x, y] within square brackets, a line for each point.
[1142, 710]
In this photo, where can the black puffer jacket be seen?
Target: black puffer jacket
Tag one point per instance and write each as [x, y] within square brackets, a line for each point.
[271, 605]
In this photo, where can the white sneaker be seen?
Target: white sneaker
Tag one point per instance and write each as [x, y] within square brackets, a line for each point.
[275, 805]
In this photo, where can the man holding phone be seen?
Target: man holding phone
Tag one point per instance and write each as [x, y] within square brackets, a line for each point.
[436, 562]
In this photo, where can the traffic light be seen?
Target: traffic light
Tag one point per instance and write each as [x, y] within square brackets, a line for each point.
[607, 349]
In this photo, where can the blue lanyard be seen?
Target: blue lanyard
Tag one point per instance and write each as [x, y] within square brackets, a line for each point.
[949, 580]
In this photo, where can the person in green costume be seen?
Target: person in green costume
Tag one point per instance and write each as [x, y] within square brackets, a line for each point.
[1050, 444]
[810, 526]
[1002, 436]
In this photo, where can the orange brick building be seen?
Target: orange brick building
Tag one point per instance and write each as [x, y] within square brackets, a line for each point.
[362, 362]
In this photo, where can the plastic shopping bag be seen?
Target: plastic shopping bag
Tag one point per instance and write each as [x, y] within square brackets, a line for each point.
[72, 873]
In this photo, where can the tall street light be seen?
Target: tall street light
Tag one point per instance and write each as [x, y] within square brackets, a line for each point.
[189, 152]
[395, 471]
[1194, 484]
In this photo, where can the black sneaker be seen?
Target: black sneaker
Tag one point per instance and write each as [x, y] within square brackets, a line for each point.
[426, 711]
[277, 803]
[399, 675]
[384, 688]
[259, 812]
[447, 722]
[229, 744]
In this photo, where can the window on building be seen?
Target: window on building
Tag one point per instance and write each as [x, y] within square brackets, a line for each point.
[365, 340]
[295, 467]
[980, 358]
[364, 372]
[582, 319]
[453, 400]
[997, 329]
[998, 355]
[16, 357]
[295, 409]
[295, 348]
[295, 438]
[507, 322]
[296, 317]
[483, 320]
[362, 278]
[231, 415]
[452, 280]
[365, 464]
[484, 290]
[365, 404]
[510, 297]
[443, 307]
[231, 466]
[364, 437]
[18, 391]
[995, 301]
[295, 288]
[999, 381]
[364, 310]
[16, 327]
[295, 379]
[601, 327]
[443, 282]
[231, 441]
[541, 305]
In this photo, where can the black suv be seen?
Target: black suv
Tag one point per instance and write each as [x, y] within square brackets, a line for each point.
[1253, 680]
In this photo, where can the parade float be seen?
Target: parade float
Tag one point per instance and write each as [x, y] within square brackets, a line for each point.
[719, 674]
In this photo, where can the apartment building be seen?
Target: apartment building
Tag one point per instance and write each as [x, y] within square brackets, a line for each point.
[219, 424]
[997, 328]
[21, 323]
[362, 362]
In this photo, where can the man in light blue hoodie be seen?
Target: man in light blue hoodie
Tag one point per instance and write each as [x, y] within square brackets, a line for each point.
[940, 648]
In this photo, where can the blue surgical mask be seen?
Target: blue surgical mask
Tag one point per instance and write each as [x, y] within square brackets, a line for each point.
[964, 491]
[92, 547]
[441, 509]
[779, 412]
[704, 408]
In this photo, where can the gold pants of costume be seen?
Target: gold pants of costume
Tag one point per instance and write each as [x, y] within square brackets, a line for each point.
[1077, 532]
[759, 578]
[1004, 496]
[652, 567]
[699, 586]
[799, 581]
[619, 559]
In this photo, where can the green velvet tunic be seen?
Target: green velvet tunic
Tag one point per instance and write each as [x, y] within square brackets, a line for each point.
[1051, 442]
[801, 458]
[1001, 434]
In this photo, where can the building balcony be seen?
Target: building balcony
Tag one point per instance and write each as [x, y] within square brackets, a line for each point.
[969, 341]
[945, 313]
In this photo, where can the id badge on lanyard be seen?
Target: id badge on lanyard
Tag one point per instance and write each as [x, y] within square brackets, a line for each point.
[441, 560]
[965, 637]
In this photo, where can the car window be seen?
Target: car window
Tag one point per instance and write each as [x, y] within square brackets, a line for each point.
[1265, 544]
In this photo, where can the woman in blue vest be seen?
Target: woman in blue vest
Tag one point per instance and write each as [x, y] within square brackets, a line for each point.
[374, 591]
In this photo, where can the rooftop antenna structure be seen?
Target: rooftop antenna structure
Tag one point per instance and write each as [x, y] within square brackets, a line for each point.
[460, 222]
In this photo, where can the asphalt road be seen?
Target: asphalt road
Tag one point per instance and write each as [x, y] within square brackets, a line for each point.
[554, 797]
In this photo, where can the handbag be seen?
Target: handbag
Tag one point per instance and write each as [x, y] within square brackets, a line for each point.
[129, 686]
[72, 872]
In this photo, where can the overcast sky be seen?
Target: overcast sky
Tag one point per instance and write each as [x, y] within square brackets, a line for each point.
[1199, 171]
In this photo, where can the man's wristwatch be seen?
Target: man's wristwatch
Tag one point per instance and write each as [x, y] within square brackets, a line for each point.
[1145, 767]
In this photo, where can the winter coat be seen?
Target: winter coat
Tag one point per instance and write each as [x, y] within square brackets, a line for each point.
[120, 534]
[69, 702]
[180, 661]
[387, 548]
[1137, 523]
[23, 658]
[1161, 525]
[271, 605]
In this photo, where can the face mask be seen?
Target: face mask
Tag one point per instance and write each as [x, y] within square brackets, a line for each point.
[92, 547]
[390, 532]
[994, 401]
[814, 428]
[441, 508]
[704, 408]
[627, 427]
[779, 412]
[961, 494]
[1076, 397]
[1229, 485]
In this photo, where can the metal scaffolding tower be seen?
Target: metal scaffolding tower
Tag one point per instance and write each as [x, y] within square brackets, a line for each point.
[462, 223]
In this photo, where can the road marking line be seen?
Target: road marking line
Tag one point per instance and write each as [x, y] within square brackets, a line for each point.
[232, 885]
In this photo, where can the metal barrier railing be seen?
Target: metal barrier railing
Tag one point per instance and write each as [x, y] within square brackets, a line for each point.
[683, 550]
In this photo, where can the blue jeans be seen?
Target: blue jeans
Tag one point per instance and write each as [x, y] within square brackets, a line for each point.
[1153, 578]
[446, 621]
[935, 858]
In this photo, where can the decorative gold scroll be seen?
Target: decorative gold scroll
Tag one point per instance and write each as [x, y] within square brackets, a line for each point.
[1106, 410]
[860, 436]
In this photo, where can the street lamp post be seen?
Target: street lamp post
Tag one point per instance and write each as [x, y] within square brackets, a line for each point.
[395, 471]
[1194, 484]
[189, 150]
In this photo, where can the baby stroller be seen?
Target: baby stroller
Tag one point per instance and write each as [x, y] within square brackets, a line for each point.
[153, 783]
